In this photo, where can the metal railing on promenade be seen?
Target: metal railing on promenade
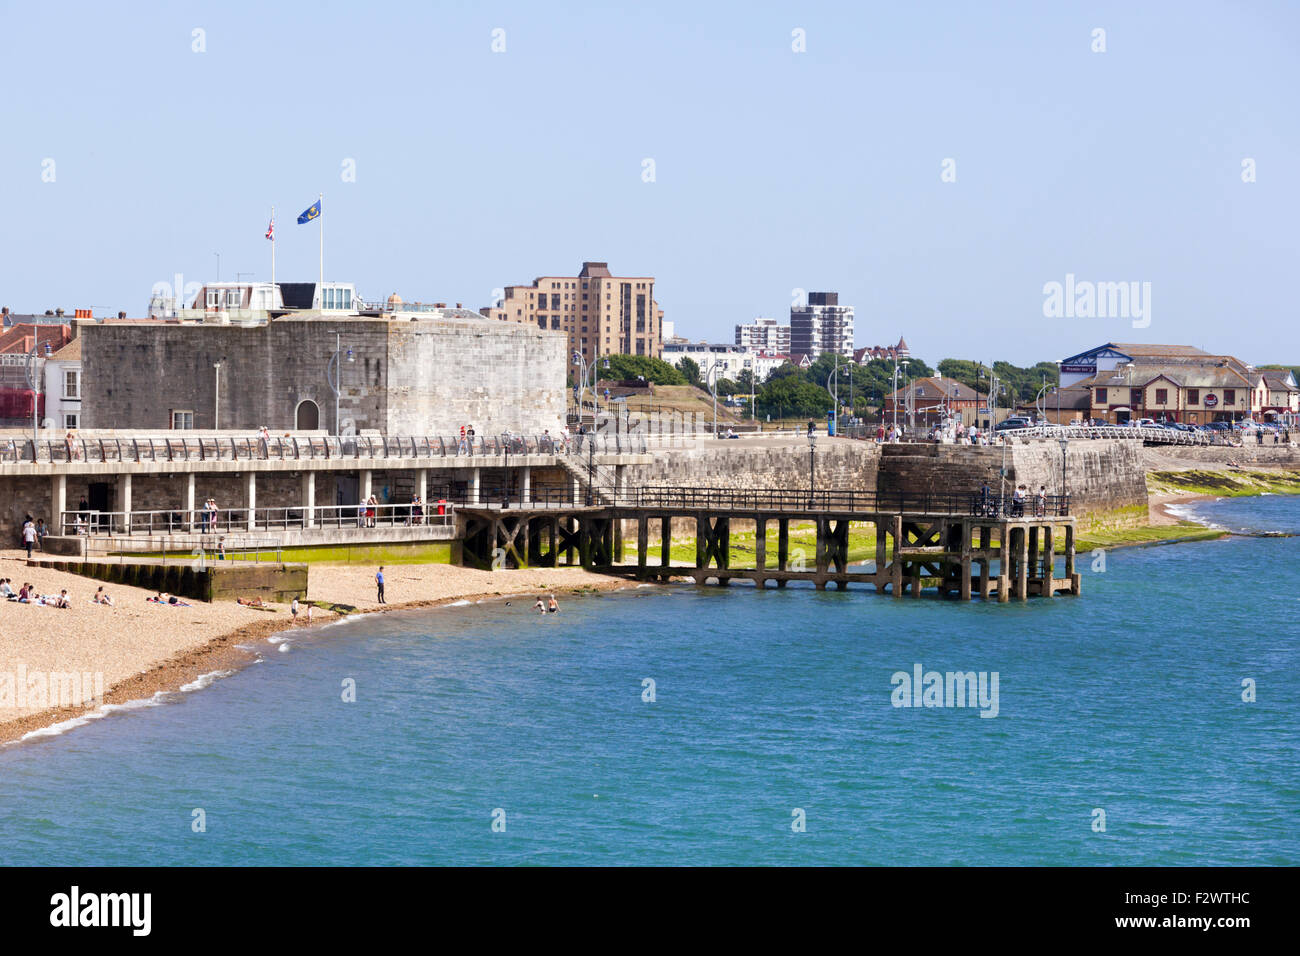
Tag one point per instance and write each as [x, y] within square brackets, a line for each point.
[235, 448]
[1158, 435]
[440, 513]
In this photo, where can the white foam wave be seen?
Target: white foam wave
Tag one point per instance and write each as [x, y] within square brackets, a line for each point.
[284, 648]
[63, 726]
[204, 680]
[458, 604]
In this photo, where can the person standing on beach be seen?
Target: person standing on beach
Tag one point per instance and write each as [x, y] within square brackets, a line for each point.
[379, 583]
[293, 609]
[29, 535]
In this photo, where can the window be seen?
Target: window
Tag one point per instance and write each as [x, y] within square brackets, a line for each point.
[70, 421]
[213, 298]
[1135, 397]
[1162, 396]
[71, 383]
[1101, 396]
[1193, 396]
[1230, 396]
[232, 298]
[182, 419]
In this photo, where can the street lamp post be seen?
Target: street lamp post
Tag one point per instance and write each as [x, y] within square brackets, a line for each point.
[835, 386]
[812, 464]
[591, 468]
[216, 398]
[1065, 443]
[332, 375]
[1038, 402]
[712, 379]
[30, 372]
[896, 363]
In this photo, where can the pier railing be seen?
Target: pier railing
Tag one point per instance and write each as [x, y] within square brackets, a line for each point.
[838, 501]
[292, 448]
[785, 501]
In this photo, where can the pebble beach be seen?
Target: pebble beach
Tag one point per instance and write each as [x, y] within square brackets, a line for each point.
[141, 648]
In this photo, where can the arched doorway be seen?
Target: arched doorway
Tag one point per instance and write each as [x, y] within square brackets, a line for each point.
[307, 417]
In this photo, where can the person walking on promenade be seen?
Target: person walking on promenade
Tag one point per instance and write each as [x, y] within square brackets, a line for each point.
[1041, 510]
[1018, 502]
[29, 534]
[379, 584]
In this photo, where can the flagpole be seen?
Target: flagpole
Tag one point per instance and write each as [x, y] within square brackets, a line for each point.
[272, 255]
[321, 216]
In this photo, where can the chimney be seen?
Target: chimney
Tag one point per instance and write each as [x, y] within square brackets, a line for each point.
[59, 313]
[121, 315]
[458, 305]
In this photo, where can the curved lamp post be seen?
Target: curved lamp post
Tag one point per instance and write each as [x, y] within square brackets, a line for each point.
[812, 464]
[30, 372]
[712, 379]
[333, 377]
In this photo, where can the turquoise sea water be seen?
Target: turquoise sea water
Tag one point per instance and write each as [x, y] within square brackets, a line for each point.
[1127, 700]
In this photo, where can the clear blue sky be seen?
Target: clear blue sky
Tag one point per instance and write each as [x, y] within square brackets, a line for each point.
[774, 170]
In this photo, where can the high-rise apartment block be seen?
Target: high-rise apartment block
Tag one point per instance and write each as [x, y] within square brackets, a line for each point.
[823, 325]
[602, 314]
[767, 335]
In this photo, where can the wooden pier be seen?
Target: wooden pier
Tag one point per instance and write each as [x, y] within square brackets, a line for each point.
[961, 545]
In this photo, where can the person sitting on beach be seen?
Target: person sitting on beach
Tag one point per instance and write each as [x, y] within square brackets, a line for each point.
[25, 594]
[254, 602]
[62, 599]
[101, 598]
[5, 590]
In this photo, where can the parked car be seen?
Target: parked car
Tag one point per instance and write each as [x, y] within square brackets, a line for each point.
[1015, 421]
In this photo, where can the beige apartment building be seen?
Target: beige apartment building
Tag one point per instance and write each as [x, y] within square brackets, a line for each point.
[602, 314]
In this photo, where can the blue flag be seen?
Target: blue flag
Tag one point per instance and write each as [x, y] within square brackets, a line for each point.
[312, 212]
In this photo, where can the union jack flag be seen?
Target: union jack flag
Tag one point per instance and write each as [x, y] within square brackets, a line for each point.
[270, 231]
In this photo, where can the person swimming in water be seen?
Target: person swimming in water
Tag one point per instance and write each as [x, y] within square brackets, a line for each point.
[540, 606]
[551, 606]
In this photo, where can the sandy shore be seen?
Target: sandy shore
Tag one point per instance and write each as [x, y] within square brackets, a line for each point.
[1158, 504]
[141, 649]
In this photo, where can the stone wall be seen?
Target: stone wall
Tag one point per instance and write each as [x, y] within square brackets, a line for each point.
[1101, 476]
[724, 464]
[423, 376]
[841, 464]
[1249, 455]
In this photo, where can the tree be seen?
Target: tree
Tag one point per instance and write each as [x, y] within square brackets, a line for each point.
[745, 381]
[789, 396]
[630, 367]
[690, 371]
